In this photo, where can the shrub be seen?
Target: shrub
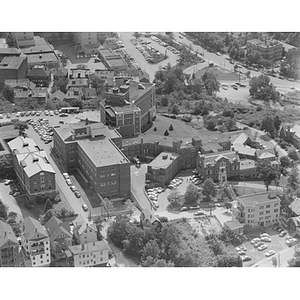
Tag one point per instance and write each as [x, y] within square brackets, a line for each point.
[171, 127]
[154, 129]
[166, 133]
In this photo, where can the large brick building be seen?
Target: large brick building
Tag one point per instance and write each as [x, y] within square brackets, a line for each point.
[130, 107]
[13, 67]
[94, 149]
[33, 168]
[268, 49]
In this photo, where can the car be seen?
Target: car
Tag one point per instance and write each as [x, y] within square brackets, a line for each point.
[254, 241]
[218, 53]
[16, 193]
[269, 253]
[73, 188]
[199, 213]
[256, 245]
[241, 253]
[282, 233]
[243, 248]
[246, 258]
[85, 207]
[8, 182]
[266, 239]
[184, 208]
[77, 194]
[262, 247]
[238, 249]
[68, 181]
[63, 115]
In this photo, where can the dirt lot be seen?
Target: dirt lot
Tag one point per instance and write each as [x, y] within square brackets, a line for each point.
[205, 225]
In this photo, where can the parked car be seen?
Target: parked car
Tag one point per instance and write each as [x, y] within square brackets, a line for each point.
[243, 248]
[8, 182]
[254, 241]
[246, 258]
[66, 175]
[68, 181]
[269, 253]
[282, 233]
[77, 194]
[241, 253]
[266, 239]
[184, 208]
[256, 245]
[199, 213]
[262, 247]
[73, 188]
[85, 207]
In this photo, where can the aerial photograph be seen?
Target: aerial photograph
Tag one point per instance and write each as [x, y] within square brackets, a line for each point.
[150, 149]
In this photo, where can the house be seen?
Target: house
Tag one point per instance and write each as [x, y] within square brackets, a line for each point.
[89, 93]
[10, 255]
[93, 254]
[60, 73]
[35, 243]
[58, 96]
[291, 134]
[60, 236]
[294, 225]
[74, 93]
[293, 97]
[295, 207]
[235, 226]
[84, 232]
[265, 155]
[147, 218]
[259, 209]
[40, 75]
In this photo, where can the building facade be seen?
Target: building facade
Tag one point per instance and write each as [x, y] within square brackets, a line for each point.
[13, 67]
[95, 150]
[10, 255]
[259, 209]
[23, 39]
[268, 49]
[163, 168]
[33, 169]
[35, 243]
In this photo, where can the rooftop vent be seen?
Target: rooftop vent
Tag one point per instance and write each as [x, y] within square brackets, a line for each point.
[25, 144]
[165, 156]
[35, 159]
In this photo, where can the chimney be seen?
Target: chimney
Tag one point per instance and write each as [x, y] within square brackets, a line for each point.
[40, 56]
[86, 121]
[82, 247]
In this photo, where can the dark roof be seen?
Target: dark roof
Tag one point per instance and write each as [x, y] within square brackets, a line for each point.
[59, 95]
[61, 72]
[295, 206]
[11, 62]
[39, 71]
[234, 224]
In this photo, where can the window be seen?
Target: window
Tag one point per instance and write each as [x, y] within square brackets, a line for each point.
[41, 256]
[42, 187]
[113, 183]
[267, 211]
[261, 207]
[276, 210]
[268, 206]
[261, 213]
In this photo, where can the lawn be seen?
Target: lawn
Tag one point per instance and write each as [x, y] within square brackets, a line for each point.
[221, 74]
[205, 225]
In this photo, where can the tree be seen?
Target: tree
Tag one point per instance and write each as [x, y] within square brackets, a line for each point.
[293, 179]
[211, 124]
[161, 263]
[293, 154]
[175, 199]
[295, 261]
[137, 35]
[97, 83]
[61, 84]
[8, 93]
[3, 211]
[151, 249]
[191, 195]
[210, 82]
[267, 173]
[21, 126]
[277, 123]
[12, 217]
[171, 127]
[230, 124]
[130, 207]
[164, 101]
[284, 162]
[154, 129]
[109, 206]
[175, 109]
[166, 133]
[227, 205]
[48, 205]
[209, 189]
[229, 260]
[267, 124]
[5, 164]
[262, 88]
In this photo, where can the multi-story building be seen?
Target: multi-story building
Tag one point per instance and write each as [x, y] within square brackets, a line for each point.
[259, 209]
[269, 49]
[248, 169]
[33, 168]
[87, 41]
[40, 75]
[291, 133]
[35, 243]
[60, 236]
[293, 97]
[95, 150]
[23, 39]
[94, 254]
[163, 168]
[9, 52]
[130, 107]
[13, 67]
[219, 166]
[112, 60]
[10, 255]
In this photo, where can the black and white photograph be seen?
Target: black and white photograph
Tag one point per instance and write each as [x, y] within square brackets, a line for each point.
[165, 148]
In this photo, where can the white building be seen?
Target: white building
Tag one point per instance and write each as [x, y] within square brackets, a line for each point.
[35, 243]
[84, 232]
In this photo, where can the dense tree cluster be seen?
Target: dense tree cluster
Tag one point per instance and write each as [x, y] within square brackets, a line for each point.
[291, 65]
[271, 125]
[210, 40]
[261, 88]
[267, 173]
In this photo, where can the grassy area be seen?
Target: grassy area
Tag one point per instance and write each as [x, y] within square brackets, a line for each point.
[220, 73]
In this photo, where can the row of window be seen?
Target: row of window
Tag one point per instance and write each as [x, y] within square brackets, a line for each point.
[108, 183]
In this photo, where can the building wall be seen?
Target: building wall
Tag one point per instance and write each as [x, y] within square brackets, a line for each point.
[9, 255]
[14, 73]
[86, 38]
[89, 235]
[90, 259]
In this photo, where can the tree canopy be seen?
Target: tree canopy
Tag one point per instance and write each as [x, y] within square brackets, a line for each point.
[261, 88]
[267, 173]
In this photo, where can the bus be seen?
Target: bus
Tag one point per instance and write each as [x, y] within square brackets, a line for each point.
[69, 110]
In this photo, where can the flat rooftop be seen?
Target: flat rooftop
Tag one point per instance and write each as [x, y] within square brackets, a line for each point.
[163, 160]
[9, 51]
[102, 152]
[41, 45]
[247, 164]
[40, 58]
[258, 198]
[117, 62]
[11, 62]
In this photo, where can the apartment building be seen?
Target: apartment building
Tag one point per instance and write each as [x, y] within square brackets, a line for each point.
[60, 236]
[163, 168]
[112, 60]
[83, 232]
[94, 254]
[219, 166]
[35, 243]
[87, 42]
[33, 168]
[94, 149]
[9, 52]
[10, 255]
[259, 209]
[130, 107]
[13, 67]
[23, 39]
[269, 49]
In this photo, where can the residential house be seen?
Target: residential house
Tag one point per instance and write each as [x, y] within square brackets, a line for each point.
[293, 97]
[40, 75]
[259, 209]
[57, 97]
[147, 218]
[266, 155]
[60, 73]
[291, 133]
[60, 236]
[10, 255]
[35, 243]
[84, 232]
[93, 254]
[89, 93]
[235, 226]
